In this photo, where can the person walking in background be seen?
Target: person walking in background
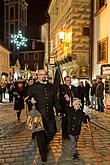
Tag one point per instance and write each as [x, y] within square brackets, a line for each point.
[93, 91]
[4, 90]
[43, 93]
[19, 98]
[81, 93]
[10, 91]
[75, 118]
[100, 94]
[67, 93]
[87, 90]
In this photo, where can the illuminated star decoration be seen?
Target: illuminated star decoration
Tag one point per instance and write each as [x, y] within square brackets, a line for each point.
[19, 40]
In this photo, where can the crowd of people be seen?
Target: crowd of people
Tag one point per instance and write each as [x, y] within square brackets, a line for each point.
[68, 106]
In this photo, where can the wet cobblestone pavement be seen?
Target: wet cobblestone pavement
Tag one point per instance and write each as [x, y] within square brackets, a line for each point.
[17, 147]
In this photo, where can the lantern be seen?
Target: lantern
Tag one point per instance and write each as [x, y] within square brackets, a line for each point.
[34, 120]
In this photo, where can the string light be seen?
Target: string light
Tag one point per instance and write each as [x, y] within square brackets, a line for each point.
[19, 40]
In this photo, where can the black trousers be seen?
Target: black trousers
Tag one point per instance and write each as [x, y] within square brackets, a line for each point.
[64, 125]
[41, 142]
[10, 97]
[87, 100]
[51, 129]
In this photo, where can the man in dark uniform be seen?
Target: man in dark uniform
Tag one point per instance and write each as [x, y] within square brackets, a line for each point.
[67, 93]
[43, 93]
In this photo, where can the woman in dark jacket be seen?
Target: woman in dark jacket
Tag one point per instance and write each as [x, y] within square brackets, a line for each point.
[75, 118]
[19, 99]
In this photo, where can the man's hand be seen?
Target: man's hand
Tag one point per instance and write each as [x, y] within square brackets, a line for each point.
[67, 97]
[33, 101]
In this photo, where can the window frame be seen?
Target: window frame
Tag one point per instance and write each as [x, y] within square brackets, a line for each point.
[98, 8]
[85, 27]
[36, 54]
[11, 12]
[27, 56]
[105, 51]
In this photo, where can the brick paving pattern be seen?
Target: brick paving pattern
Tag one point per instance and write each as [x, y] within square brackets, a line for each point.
[17, 147]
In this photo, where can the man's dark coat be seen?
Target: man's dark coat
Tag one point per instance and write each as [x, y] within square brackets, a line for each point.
[45, 101]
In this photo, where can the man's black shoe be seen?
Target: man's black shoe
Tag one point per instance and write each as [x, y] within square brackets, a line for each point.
[44, 159]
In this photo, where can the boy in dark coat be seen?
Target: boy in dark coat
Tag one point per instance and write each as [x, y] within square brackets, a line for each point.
[75, 118]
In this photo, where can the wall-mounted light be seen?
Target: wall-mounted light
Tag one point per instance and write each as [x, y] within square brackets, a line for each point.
[63, 38]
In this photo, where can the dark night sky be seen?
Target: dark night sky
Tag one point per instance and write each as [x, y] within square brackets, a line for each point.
[35, 17]
[36, 11]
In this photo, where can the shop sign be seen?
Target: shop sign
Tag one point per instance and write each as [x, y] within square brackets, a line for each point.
[83, 71]
[105, 69]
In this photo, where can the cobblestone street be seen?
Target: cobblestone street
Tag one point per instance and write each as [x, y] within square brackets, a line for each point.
[17, 147]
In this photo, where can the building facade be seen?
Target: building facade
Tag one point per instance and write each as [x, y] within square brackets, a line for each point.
[33, 55]
[15, 19]
[29, 58]
[101, 43]
[2, 19]
[4, 60]
[70, 22]
[45, 38]
[101, 46]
